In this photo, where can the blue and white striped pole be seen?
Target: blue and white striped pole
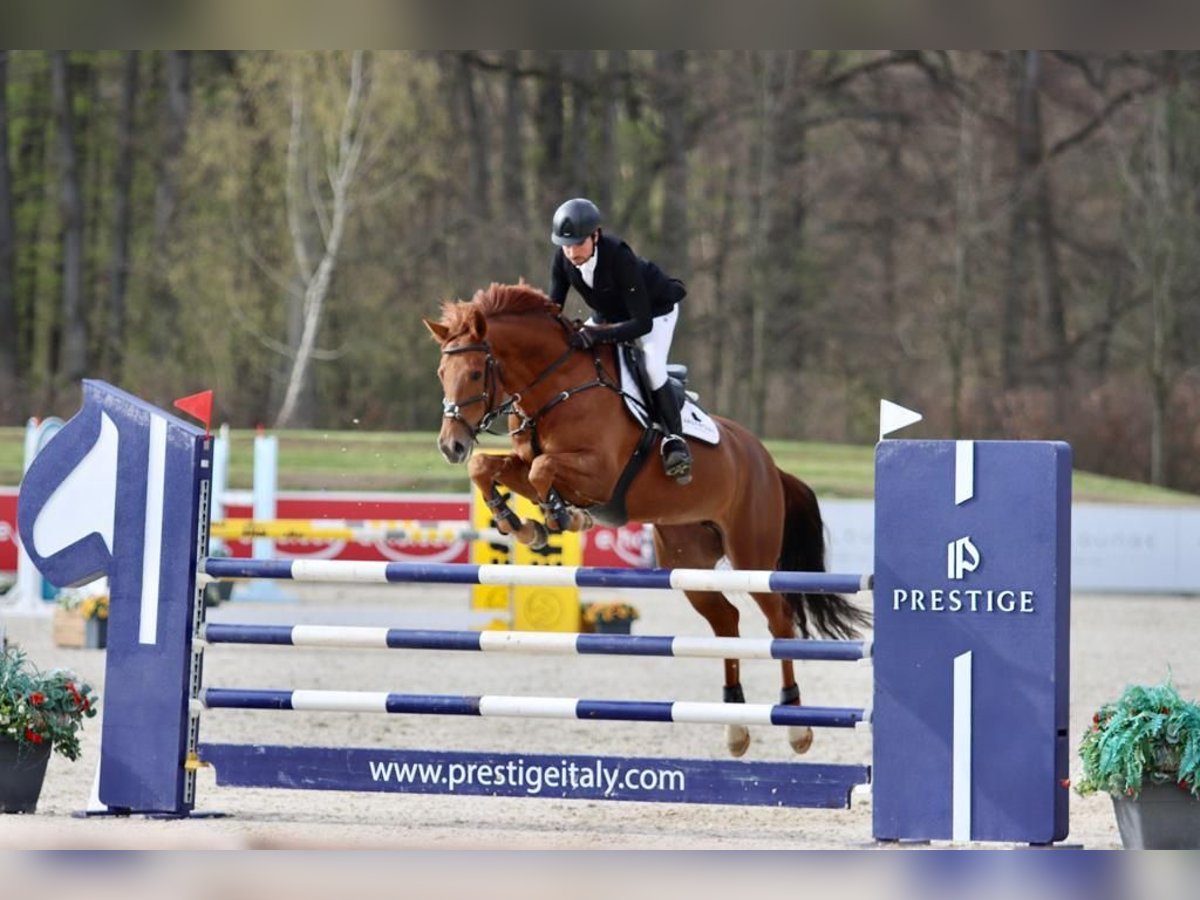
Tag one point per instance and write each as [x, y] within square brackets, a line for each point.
[535, 707]
[533, 643]
[750, 581]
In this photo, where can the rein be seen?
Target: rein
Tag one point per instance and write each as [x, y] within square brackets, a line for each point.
[529, 420]
[493, 382]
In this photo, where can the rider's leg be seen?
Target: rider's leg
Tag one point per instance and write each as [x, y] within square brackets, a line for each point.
[677, 458]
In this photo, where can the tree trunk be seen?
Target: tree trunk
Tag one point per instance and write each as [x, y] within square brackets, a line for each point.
[72, 361]
[1025, 74]
[342, 168]
[8, 245]
[581, 146]
[479, 170]
[605, 176]
[551, 134]
[512, 174]
[175, 113]
[671, 72]
[122, 218]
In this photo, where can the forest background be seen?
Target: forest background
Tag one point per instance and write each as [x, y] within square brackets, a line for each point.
[1007, 241]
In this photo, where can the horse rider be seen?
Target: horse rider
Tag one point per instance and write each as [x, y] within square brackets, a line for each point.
[632, 300]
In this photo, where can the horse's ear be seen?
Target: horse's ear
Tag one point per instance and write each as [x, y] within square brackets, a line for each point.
[476, 325]
[439, 331]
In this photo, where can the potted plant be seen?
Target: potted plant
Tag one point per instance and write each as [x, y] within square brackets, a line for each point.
[1144, 750]
[610, 617]
[40, 712]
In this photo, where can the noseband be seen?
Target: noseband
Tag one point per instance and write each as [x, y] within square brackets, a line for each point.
[453, 410]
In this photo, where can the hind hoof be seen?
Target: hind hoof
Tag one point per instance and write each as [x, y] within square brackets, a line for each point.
[737, 739]
[800, 737]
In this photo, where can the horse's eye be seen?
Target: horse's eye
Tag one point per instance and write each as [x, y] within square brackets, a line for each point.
[475, 376]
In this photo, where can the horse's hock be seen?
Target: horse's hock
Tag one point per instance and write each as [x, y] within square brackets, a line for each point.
[969, 707]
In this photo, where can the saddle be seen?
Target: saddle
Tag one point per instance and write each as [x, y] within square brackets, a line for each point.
[635, 386]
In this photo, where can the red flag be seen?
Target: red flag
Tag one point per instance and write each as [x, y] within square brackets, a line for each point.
[198, 406]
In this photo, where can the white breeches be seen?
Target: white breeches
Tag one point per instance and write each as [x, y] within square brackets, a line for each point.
[656, 346]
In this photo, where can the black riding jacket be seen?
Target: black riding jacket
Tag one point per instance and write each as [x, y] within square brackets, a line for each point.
[627, 291]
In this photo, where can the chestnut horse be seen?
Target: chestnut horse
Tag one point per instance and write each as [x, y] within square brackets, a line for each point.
[506, 352]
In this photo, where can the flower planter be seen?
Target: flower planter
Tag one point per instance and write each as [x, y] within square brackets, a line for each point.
[617, 626]
[71, 629]
[1161, 817]
[22, 771]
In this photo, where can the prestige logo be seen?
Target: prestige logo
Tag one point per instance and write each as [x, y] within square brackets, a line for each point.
[963, 557]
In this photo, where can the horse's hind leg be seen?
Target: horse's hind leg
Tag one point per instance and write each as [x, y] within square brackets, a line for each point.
[782, 624]
[745, 553]
[699, 547]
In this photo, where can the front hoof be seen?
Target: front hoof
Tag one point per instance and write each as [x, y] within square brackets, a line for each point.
[540, 536]
[800, 737]
[737, 739]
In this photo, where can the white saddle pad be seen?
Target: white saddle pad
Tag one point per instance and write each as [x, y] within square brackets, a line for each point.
[696, 422]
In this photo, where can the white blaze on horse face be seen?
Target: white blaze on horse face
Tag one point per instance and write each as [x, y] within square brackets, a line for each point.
[461, 381]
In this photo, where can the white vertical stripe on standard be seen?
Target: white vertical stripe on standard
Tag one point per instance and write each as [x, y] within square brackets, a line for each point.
[339, 570]
[340, 701]
[528, 642]
[529, 707]
[961, 785]
[533, 576]
[719, 648]
[964, 471]
[721, 713]
[338, 636]
[152, 530]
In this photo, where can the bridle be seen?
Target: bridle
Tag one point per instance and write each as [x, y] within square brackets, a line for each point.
[492, 385]
[488, 396]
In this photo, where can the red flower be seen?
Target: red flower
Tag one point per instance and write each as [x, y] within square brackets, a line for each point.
[32, 736]
[37, 698]
[1065, 783]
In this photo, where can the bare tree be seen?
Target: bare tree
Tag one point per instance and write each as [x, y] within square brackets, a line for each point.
[122, 220]
[315, 265]
[72, 363]
[671, 99]
[1162, 232]
[8, 240]
[176, 111]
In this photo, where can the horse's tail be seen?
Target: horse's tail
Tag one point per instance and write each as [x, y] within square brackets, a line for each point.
[804, 551]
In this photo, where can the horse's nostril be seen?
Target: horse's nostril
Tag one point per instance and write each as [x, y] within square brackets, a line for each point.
[459, 448]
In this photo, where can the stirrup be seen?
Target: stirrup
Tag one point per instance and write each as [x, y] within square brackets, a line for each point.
[677, 459]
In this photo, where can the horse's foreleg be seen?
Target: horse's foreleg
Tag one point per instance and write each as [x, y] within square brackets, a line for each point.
[486, 472]
[558, 516]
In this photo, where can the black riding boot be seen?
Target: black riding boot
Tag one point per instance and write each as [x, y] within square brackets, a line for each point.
[676, 457]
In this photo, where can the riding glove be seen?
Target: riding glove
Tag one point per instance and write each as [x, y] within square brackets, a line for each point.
[583, 339]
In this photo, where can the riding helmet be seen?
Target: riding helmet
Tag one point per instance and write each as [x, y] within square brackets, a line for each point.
[574, 221]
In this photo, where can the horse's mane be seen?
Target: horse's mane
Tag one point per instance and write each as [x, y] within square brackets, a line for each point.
[497, 300]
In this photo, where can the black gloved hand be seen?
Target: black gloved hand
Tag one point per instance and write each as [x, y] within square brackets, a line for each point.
[583, 339]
